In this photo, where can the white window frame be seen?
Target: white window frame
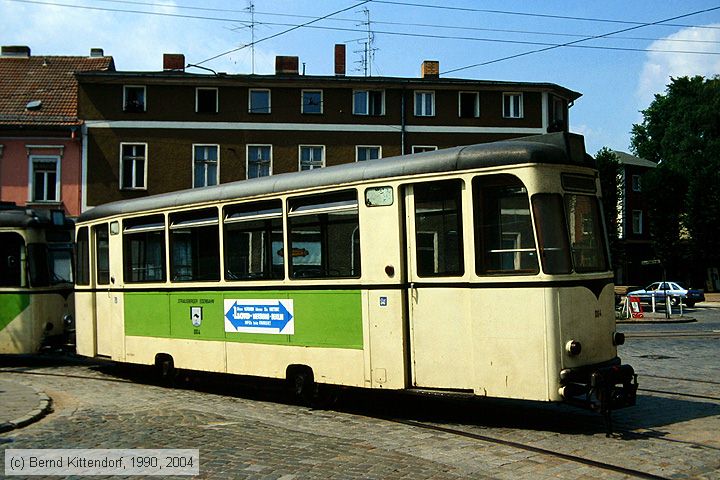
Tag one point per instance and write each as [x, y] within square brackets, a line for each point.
[302, 100]
[639, 215]
[206, 162]
[144, 105]
[122, 169]
[357, 151]
[422, 93]
[269, 102]
[31, 178]
[313, 165]
[217, 98]
[247, 158]
[367, 103]
[476, 107]
[423, 148]
[511, 113]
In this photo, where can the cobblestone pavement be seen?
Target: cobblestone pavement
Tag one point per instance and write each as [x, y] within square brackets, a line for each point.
[248, 432]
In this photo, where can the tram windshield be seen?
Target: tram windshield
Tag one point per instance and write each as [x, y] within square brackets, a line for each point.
[579, 244]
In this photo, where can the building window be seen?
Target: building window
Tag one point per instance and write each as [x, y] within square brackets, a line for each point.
[469, 104]
[363, 153]
[424, 104]
[556, 115]
[423, 148]
[312, 101]
[205, 165]
[206, 100]
[133, 165]
[134, 98]
[44, 179]
[259, 101]
[368, 102]
[259, 161]
[637, 223]
[312, 156]
[512, 105]
[636, 186]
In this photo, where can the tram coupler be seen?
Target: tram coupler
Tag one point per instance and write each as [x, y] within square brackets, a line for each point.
[602, 388]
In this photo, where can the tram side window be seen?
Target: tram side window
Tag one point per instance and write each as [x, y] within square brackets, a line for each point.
[83, 257]
[11, 253]
[552, 233]
[504, 239]
[144, 249]
[102, 254]
[253, 241]
[438, 228]
[324, 236]
[194, 246]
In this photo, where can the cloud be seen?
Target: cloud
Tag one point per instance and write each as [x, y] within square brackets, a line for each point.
[659, 67]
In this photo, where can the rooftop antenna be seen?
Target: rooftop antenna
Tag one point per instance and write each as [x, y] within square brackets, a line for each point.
[251, 8]
[369, 50]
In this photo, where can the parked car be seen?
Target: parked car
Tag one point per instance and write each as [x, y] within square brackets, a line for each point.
[673, 289]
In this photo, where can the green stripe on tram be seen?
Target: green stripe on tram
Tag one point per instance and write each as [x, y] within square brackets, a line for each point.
[12, 305]
[323, 318]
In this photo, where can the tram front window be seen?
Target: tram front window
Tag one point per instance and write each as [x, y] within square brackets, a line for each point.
[60, 261]
[570, 233]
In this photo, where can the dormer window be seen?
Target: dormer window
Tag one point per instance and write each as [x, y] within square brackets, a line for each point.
[134, 99]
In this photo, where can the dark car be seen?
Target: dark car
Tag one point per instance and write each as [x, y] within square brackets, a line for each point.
[674, 290]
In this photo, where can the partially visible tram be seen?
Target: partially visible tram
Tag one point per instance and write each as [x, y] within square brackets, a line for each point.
[479, 270]
[36, 280]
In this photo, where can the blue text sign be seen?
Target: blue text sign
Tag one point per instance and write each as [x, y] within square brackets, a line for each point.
[259, 316]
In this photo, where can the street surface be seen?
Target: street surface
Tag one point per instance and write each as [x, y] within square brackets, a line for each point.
[248, 430]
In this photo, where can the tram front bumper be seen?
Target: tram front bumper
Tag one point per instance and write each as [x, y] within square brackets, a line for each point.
[603, 387]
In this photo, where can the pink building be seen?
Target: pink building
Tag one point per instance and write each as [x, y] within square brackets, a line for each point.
[40, 138]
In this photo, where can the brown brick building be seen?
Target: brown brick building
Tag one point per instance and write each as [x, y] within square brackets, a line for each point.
[154, 132]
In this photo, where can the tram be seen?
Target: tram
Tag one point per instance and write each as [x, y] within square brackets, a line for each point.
[479, 270]
[36, 280]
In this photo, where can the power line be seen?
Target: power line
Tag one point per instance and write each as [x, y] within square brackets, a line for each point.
[538, 15]
[594, 37]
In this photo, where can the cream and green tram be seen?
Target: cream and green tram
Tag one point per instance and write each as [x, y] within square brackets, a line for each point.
[480, 269]
[36, 280]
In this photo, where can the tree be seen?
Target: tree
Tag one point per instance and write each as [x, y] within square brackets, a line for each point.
[681, 131]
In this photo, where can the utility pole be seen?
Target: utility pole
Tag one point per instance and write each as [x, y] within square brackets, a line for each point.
[251, 8]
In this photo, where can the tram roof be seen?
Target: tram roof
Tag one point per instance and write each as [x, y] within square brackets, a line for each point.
[553, 148]
[12, 216]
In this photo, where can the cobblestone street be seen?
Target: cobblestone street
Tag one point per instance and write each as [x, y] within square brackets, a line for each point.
[248, 431]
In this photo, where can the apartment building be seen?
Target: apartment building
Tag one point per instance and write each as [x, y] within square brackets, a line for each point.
[154, 132]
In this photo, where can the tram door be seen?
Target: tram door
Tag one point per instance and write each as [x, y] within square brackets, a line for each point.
[103, 294]
[439, 322]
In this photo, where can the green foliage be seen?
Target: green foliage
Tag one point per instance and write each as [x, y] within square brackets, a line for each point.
[681, 131]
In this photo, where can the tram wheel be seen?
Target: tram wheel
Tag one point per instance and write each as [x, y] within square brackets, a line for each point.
[165, 369]
[301, 385]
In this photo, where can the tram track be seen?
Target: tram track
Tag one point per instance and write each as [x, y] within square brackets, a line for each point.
[530, 448]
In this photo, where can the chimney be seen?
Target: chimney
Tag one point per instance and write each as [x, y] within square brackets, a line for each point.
[340, 59]
[285, 65]
[96, 52]
[18, 51]
[174, 61]
[430, 69]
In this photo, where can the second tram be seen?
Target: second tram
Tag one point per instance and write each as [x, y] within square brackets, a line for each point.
[481, 269]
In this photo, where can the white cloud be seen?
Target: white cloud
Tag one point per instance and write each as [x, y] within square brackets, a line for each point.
[659, 67]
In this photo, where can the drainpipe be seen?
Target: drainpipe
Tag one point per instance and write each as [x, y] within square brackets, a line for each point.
[402, 122]
[83, 168]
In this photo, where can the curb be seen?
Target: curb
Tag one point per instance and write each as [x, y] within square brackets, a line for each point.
[44, 407]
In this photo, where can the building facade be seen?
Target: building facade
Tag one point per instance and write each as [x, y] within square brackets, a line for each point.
[155, 132]
[633, 232]
[40, 134]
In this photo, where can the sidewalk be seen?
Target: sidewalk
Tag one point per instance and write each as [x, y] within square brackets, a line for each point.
[21, 405]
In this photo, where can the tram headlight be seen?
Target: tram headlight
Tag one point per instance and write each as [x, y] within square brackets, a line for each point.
[68, 321]
[573, 347]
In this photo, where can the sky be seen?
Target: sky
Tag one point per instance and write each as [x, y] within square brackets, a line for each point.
[618, 54]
